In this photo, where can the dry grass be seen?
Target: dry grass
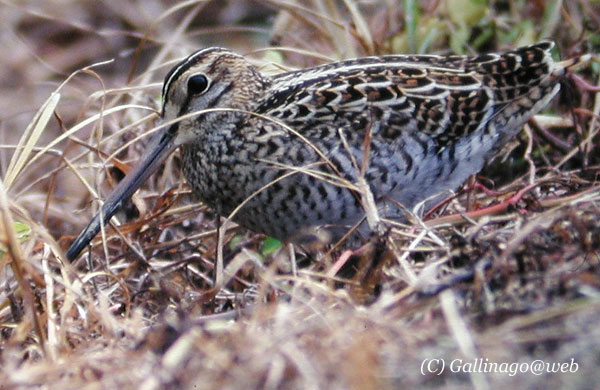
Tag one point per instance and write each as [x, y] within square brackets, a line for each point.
[508, 275]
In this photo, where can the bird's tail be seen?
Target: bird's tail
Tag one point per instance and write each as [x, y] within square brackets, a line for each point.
[562, 67]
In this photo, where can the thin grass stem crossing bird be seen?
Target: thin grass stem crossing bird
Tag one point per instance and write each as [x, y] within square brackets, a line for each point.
[286, 148]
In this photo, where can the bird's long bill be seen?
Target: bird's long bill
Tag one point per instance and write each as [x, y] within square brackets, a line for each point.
[160, 147]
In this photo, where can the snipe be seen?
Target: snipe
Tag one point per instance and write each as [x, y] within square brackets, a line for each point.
[274, 143]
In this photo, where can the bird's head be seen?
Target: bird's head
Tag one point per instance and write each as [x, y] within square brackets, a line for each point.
[197, 94]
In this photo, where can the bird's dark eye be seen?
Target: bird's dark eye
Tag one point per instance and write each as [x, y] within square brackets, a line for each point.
[197, 84]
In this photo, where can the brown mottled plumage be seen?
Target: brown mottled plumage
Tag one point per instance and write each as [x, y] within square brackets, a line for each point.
[433, 122]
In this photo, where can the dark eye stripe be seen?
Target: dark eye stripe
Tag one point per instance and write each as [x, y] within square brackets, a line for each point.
[214, 102]
[179, 69]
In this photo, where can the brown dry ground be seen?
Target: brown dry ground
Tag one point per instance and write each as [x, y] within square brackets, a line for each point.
[505, 276]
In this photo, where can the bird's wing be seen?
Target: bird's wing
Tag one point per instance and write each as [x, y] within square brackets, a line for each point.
[443, 97]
